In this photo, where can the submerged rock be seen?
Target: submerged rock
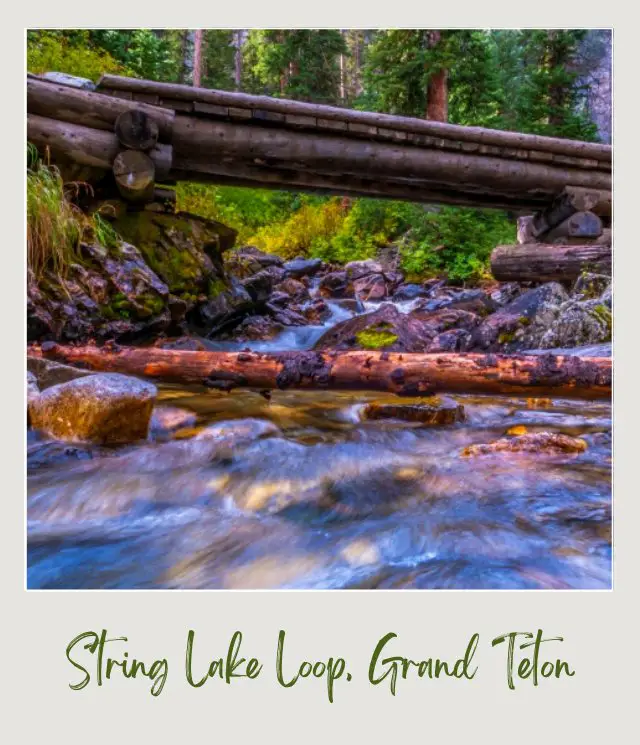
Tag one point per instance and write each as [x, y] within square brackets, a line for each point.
[47, 372]
[106, 408]
[409, 292]
[296, 291]
[436, 410]
[168, 419]
[538, 442]
[256, 328]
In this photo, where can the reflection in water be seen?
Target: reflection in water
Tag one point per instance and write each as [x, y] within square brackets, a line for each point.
[300, 492]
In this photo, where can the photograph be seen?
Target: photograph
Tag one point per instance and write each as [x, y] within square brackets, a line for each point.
[318, 309]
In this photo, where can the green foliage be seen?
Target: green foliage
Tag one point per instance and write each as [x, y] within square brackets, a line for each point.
[455, 241]
[70, 52]
[54, 225]
[245, 210]
[298, 63]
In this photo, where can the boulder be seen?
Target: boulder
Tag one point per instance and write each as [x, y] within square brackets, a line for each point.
[505, 293]
[358, 269]
[370, 288]
[456, 340]
[256, 328]
[538, 442]
[474, 301]
[261, 285]
[168, 419]
[385, 328]
[249, 260]
[409, 292]
[578, 324]
[607, 297]
[296, 291]
[335, 285]
[316, 312]
[435, 410]
[590, 286]
[521, 323]
[300, 267]
[47, 372]
[105, 408]
[226, 308]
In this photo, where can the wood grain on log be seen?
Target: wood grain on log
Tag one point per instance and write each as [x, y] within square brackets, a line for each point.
[87, 146]
[90, 109]
[401, 373]
[572, 199]
[136, 131]
[595, 151]
[543, 262]
[579, 225]
[211, 140]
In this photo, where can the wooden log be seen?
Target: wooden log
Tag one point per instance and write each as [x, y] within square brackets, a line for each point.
[579, 225]
[136, 131]
[543, 262]
[524, 232]
[210, 140]
[595, 151]
[414, 190]
[134, 174]
[87, 146]
[401, 373]
[572, 199]
[90, 109]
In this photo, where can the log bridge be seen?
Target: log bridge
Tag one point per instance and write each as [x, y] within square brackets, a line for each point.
[138, 134]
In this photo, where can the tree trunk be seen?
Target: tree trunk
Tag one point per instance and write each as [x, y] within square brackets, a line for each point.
[437, 88]
[197, 58]
[400, 373]
[238, 38]
[543, 262]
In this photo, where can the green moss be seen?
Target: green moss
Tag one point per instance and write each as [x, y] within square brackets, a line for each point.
[524, 321]
[506, 337]
[604, 314]
[371, 339]
[215, 287]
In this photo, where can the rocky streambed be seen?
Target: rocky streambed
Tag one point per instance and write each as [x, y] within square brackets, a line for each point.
[137, 485]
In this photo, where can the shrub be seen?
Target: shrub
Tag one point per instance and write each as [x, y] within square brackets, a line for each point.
[52, 51]
[54, 225]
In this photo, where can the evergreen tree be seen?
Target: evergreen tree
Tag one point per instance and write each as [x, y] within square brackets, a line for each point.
[300, 64]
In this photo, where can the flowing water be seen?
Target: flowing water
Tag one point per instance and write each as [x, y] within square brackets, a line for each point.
[301, 491]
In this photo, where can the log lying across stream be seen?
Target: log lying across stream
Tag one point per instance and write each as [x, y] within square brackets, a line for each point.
[401, 373]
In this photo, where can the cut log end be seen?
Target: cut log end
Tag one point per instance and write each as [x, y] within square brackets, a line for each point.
[134, 173]
[136, 131]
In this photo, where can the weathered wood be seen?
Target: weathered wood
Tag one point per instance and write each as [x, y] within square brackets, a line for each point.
[214, 140]
[579, 225]
[134, 174]
[543, 262]
[136, 131]
[402, 373]
[594, 151]
[415, 190]
[524, 229]
[89, 109]
[572, 199]
[87, 146]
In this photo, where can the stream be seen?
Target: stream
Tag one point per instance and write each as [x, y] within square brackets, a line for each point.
[301, 491]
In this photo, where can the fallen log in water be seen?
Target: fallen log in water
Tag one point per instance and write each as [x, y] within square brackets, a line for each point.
[547, 262]
[401, 373]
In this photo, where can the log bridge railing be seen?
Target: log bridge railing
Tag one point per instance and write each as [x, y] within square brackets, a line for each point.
[147, 133]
